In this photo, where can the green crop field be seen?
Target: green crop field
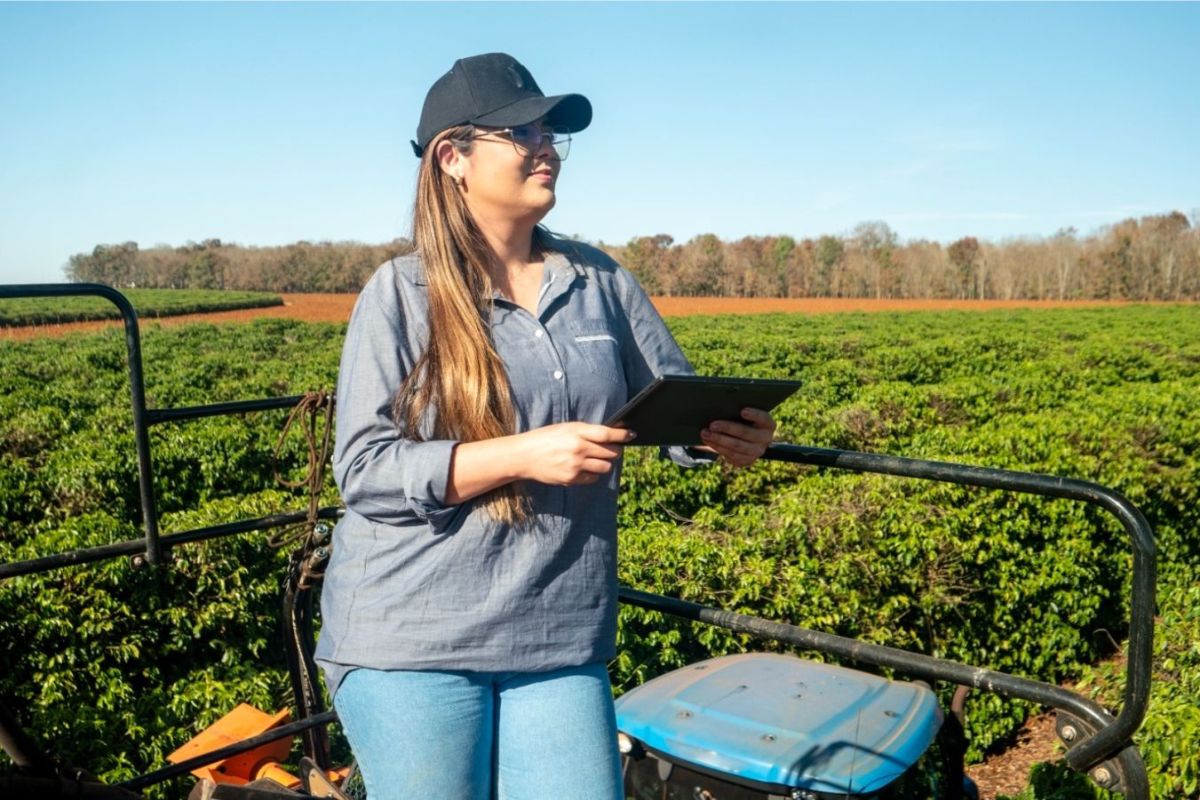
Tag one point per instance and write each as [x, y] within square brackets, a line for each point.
[146, 302]
[116, 667]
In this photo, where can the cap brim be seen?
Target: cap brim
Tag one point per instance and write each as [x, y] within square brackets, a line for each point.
[570, 111]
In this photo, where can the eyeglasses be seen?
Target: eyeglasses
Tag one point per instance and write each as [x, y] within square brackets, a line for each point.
[527, 139]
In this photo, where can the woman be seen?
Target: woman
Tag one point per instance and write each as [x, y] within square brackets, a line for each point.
[470, 604]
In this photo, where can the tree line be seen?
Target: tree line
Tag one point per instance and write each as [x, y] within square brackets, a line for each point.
[1154, 257]
[213, 264]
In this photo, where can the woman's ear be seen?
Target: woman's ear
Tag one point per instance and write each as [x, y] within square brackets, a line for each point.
[450, 160]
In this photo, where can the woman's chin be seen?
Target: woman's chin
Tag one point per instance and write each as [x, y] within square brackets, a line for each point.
[545, 202]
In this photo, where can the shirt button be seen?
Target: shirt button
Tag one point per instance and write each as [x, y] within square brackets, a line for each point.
[558, 374]
[538, 333]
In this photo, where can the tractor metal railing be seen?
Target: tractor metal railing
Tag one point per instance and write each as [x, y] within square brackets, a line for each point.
[143, 418]
[137, 388]
[1108, 744]
[1110, 738]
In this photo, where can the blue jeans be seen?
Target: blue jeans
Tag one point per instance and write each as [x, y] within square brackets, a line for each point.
[448, 735]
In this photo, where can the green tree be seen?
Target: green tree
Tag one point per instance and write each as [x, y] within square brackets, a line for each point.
[964, 255]
[878, 242]
[830, 252]
[781, 258]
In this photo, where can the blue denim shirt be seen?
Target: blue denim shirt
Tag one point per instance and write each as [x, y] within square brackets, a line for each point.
[417, 583]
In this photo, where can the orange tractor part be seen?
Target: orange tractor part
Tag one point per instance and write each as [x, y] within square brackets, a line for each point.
[242, 723]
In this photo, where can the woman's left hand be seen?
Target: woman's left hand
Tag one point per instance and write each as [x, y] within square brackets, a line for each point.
[738, 443]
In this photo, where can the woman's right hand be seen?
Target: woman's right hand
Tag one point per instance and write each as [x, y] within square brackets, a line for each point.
[570, 453]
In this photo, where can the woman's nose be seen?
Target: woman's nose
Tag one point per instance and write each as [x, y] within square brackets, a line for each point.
[545, 149]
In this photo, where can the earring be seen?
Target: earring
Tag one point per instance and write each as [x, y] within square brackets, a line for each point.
[458, 181]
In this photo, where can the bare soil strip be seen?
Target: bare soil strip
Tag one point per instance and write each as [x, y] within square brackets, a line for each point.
[1007, 772]
[686, 306]
[337, 308]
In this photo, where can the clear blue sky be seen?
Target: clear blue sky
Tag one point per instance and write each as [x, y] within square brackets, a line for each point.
[265, 124]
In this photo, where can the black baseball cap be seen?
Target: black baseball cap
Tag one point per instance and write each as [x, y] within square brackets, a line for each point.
[496, 90]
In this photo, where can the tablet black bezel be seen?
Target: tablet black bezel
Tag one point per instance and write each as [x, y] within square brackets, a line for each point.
[684, 394]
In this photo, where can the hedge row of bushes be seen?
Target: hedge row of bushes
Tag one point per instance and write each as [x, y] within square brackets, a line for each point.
[146, 302]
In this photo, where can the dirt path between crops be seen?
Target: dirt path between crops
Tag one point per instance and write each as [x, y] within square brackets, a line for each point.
[337, 307]
[685, 306]
[1007, 772]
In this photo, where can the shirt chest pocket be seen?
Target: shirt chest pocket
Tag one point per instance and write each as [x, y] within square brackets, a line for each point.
[595, 340]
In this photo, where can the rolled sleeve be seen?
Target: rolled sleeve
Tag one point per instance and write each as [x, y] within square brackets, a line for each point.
[392, 479]
[382, 474]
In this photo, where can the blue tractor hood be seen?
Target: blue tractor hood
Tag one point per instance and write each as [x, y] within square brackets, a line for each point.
[778, 720]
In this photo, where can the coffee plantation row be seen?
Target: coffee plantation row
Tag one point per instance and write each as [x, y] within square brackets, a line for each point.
[116, 667]
[147, 302]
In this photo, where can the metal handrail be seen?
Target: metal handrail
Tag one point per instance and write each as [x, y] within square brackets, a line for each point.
[137, 389]
[136, 547]
[1110, 738]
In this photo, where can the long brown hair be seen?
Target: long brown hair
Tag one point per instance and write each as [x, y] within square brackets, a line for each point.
[459, 378]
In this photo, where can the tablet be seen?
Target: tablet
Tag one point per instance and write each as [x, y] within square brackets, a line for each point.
[673, 409]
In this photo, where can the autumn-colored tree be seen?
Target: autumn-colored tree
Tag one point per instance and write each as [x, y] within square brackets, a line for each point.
[1117, 271]
[701, 266]
[649, 259]
[802, 271]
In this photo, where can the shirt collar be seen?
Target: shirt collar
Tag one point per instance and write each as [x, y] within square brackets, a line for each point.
[559, 261]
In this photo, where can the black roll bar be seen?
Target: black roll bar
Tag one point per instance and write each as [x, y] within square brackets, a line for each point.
[1110, 738]
[143, 417]
[136, 547]
[137, 389]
